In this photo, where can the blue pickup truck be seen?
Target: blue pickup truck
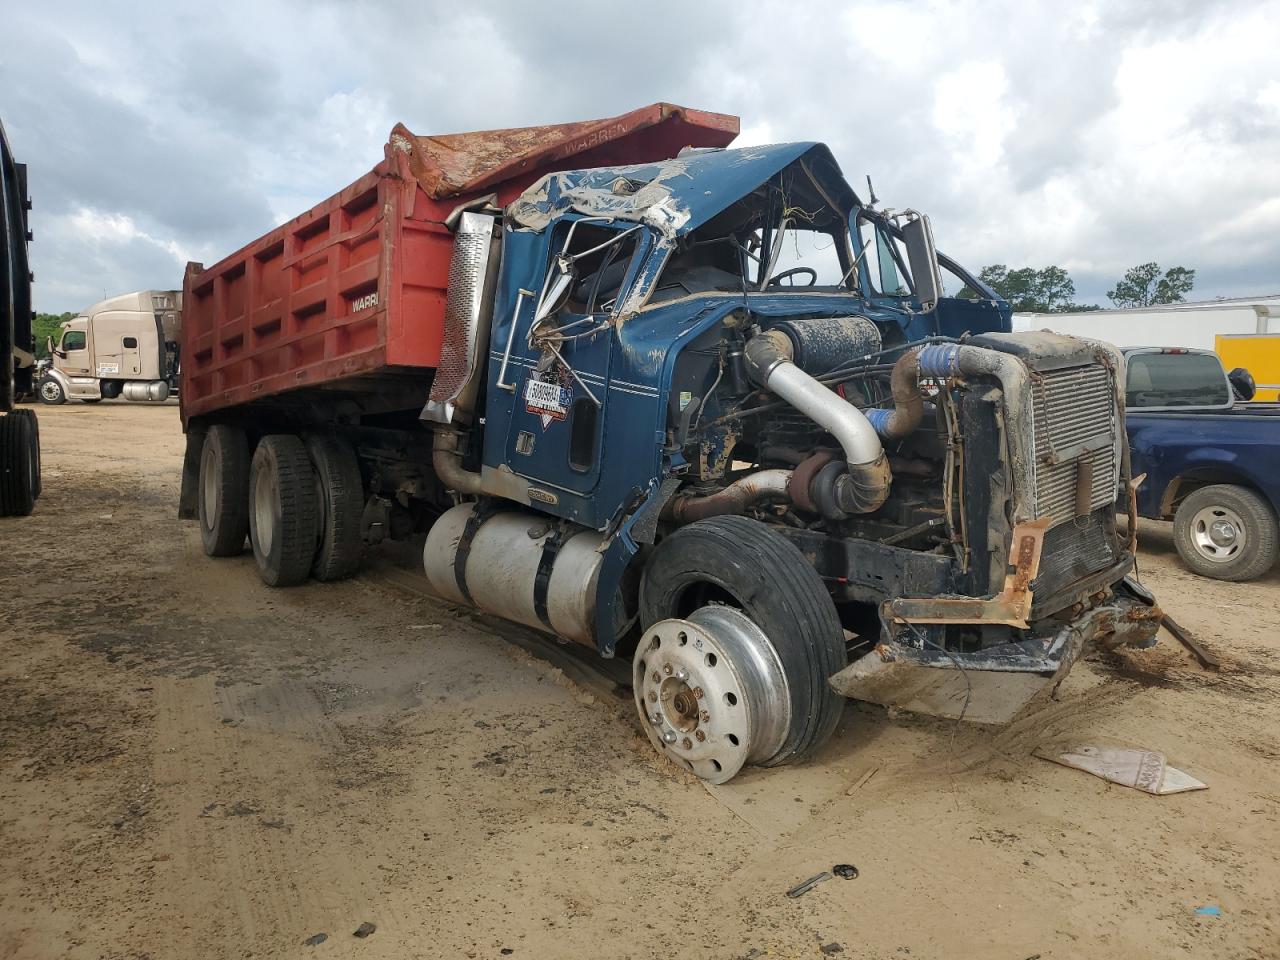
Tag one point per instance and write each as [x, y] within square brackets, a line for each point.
[1212, 462]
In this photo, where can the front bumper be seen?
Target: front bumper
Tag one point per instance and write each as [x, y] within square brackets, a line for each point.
[993, 684]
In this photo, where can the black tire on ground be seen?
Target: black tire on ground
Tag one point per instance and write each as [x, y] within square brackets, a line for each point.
[223, 494]
[282, 510]
[35, 446]
[742, 562]
[50, 391]
[340, 495]
[17, 466]
[1246, 555]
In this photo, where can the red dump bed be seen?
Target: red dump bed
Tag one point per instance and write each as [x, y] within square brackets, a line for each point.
[355, 286]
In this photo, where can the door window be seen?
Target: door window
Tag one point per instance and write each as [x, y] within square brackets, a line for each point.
[131, 343]
[74, 340]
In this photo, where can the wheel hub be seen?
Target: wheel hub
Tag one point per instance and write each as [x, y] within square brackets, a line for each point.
[1218, 533]
[711, 692]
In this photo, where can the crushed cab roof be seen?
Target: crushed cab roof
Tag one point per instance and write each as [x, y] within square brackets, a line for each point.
[678, 196]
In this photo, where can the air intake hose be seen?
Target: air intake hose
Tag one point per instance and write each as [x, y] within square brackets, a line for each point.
[908, 404]
[864, 486]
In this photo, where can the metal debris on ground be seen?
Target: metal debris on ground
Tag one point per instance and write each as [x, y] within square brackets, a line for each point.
[800, 889]
[831, 949]
[845, 871]
[1198, 650]
[365, 929]
[862, 781]
[315, 940]
[1144, 770]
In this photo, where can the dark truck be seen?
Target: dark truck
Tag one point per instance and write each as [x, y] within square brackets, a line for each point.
[1212, 461]
[704, 408]
[19, 431]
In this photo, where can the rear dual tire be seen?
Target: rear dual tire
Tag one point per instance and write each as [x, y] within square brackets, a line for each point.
[282, 510]
[299, 503]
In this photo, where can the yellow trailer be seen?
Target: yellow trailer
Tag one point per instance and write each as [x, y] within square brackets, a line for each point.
[1259, 353]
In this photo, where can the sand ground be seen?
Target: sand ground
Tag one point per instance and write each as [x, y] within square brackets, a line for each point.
[195, 765]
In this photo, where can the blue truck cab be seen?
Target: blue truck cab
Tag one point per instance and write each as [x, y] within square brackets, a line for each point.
[1210, 461]
[720, 415]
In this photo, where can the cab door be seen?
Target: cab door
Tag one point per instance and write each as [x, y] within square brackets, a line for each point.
[75, 357]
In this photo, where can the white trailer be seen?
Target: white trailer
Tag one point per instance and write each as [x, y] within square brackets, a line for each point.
[1195, 325]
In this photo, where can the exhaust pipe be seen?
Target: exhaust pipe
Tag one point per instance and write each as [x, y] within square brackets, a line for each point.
[447, 462]
[735, 498]
[865, 486]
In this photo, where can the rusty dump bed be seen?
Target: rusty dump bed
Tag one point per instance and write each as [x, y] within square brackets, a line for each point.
[350, 295]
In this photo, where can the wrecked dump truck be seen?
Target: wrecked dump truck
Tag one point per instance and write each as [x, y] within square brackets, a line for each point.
[701, 407]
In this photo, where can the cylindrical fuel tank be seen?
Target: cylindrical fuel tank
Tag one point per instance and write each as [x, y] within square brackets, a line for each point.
[146, 390]
[501, 570]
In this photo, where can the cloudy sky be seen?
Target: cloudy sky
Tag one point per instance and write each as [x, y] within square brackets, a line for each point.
[1090, 135]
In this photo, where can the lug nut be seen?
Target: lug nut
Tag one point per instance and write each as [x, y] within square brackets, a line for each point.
[652, 696]
[705, 716]
[669, 736]
[699, 735]
[697, 692]
[682, 674]
[656, 719]
[686, 743]
[657, 677]
[666, 668]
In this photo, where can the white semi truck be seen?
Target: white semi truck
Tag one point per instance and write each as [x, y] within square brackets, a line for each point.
[126, 346]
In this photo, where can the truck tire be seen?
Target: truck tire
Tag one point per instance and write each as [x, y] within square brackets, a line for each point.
[18, 466]
[282, 510]
[1226, 532]
[340, 504]
[739, 562]
[51, 391]
[223, 496]
[35, 447]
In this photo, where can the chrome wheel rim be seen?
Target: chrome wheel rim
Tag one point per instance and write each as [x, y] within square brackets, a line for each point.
[49, 390]
[1218, 534]
[711, 692]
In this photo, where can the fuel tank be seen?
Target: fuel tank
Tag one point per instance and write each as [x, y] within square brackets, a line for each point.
[509, 566]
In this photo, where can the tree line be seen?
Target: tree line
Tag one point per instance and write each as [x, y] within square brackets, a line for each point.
[1051, 289]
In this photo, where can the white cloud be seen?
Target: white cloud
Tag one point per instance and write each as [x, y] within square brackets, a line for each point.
[1094, 136]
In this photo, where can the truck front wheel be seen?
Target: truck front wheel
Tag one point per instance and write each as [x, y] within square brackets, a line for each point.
[224, 491]
[51, 391]
[340, 495]
[282, 510]
[740, 639]
[1226, 532]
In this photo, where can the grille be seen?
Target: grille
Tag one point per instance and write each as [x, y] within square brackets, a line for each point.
[1074, 419]
[1071, 552]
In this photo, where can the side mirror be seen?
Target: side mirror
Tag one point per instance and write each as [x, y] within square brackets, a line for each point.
[922, 257]
[1242, 383]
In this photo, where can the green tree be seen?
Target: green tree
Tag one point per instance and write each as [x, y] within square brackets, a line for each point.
[1031, 290]
[1146, 285]
[45, 326]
